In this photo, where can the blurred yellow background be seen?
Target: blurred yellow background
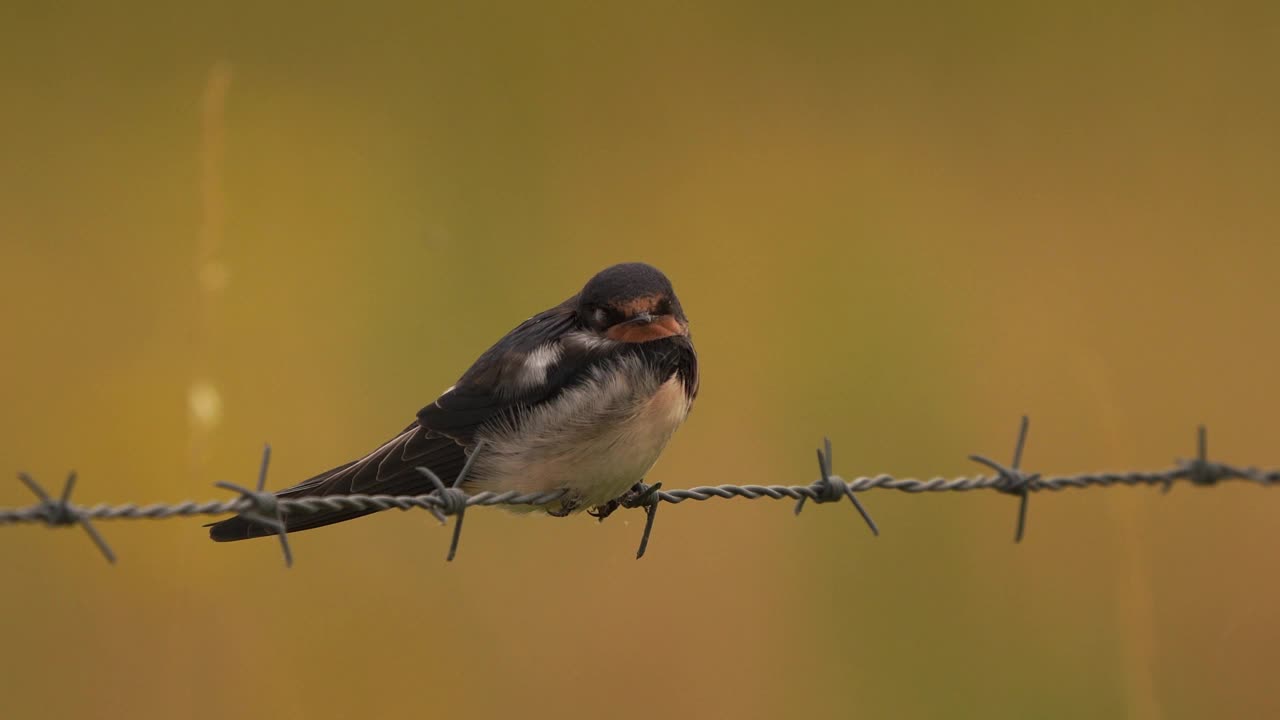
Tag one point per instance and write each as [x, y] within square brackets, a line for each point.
[899, 226]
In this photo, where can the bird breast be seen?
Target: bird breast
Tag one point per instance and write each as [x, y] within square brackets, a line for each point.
[595, 440]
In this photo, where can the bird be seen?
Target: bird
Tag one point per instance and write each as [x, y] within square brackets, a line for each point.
[582, 397]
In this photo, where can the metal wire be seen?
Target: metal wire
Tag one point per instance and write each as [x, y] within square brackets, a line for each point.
[267, 509]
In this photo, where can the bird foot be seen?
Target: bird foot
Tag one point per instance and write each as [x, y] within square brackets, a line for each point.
[567, 506]
[600, 512]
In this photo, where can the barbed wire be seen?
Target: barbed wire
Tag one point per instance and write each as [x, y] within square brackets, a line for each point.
[270, 511]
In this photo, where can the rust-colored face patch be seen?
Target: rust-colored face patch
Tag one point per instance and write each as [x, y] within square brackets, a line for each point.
[662, 326]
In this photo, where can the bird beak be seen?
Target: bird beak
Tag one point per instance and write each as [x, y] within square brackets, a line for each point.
[645, 326]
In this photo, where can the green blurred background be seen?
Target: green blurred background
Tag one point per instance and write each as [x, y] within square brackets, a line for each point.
[227, 223]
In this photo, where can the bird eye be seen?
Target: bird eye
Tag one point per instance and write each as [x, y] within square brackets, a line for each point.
[600, 317]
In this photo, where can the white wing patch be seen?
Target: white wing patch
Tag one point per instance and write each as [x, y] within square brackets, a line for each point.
[534, 371]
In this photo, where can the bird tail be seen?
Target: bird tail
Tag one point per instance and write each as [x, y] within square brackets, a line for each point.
[243, 528]
[390, 470]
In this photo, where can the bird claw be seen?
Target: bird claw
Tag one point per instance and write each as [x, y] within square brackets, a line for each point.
[600, 512]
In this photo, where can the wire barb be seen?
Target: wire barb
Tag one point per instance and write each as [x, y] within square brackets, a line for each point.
[1013, 480]
[452, 499]
[264, 507]
[1199, 471]
[61, 512]
[647, 497]
[830, 488]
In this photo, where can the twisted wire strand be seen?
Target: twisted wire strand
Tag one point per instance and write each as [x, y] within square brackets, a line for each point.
[446, 500]
[162, 511]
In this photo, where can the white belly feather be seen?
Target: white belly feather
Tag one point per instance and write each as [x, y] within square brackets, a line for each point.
[596, 440]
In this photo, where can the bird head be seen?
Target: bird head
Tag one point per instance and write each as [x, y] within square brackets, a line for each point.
[631, 303]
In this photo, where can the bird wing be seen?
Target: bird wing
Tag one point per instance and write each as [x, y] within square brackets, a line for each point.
[444, 433]
[526, 367]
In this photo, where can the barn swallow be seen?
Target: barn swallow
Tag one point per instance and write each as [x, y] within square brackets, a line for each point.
[582, 398]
